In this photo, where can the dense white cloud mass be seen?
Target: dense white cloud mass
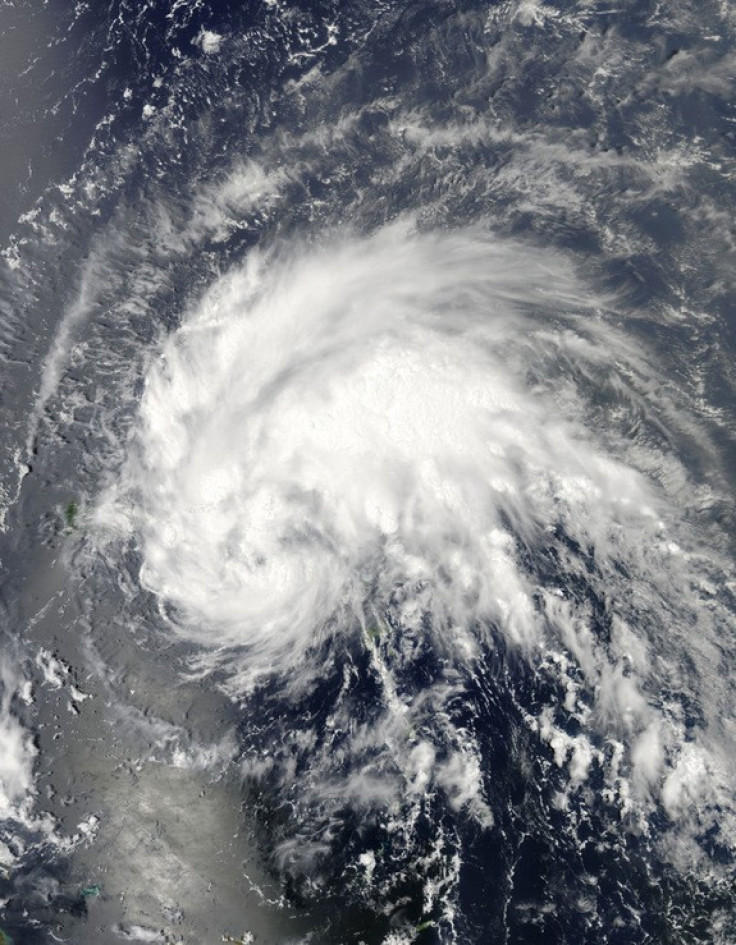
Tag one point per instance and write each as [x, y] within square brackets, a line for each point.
[426, 426]
[330, 423]
[367, 485]
[22, 826]
[16, 777]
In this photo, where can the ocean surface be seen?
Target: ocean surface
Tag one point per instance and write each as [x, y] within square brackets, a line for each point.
[367, 469]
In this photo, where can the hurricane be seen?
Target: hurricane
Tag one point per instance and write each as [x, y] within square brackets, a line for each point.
[326, 428]
[385, 454]
[367, 475]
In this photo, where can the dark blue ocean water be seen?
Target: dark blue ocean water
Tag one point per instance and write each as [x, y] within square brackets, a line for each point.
[150, 150]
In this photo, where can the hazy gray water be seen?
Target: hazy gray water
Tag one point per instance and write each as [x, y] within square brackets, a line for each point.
[486, 245]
